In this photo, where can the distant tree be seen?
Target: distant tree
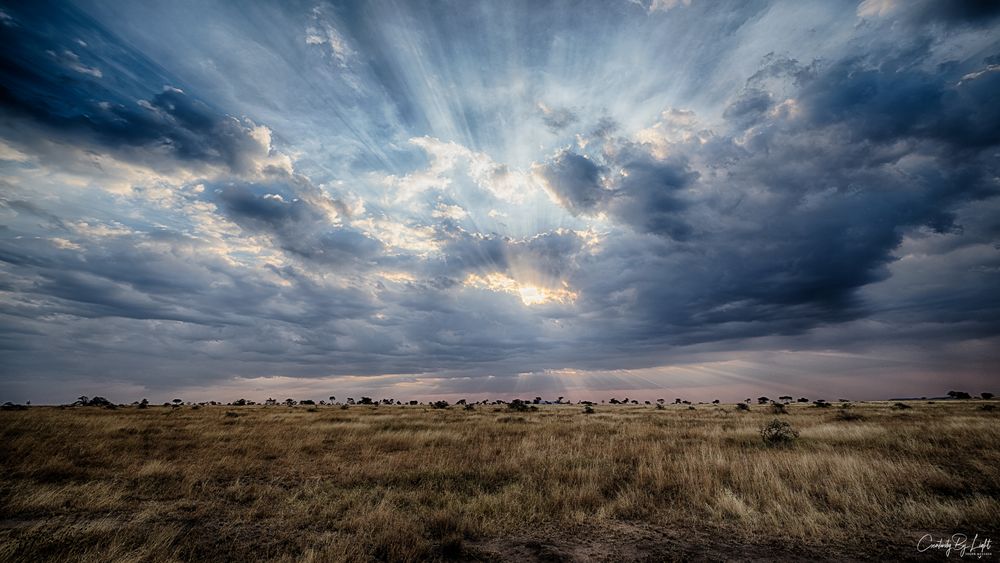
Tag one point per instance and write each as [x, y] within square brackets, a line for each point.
[538, 400]
[742, 406]
[270, 402]
[763, 400]
[747, 400]
[240, 403]
[521, 406]
[987, 396]
[959, 395]
[307, 402]
[613, 401]
[803, 400]
[414, 402]
[290, 402]
[559, 401]
[332, 398]
[350, 400]
[177, 401]
[677, 401]
[786, 398]
[647, 402]
[460, 402]
[440, 404]
[365, 401]
[661, 401]
[715, 402]
[144, 403]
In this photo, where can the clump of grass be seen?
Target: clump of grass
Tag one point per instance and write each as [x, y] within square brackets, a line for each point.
[778, 433]
[587, 409]
[778, 408]
[848, 415]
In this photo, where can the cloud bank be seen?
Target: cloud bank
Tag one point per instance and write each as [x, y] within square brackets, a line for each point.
[499, 200]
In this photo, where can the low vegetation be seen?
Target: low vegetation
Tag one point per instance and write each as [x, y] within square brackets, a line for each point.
[499, 482]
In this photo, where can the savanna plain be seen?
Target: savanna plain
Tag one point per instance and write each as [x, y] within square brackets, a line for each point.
[488, 483]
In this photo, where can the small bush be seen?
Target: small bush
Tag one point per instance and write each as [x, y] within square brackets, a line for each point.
[440, 404]
[778, 408]
[778, 433]
[988, 408]
[518, 405]
[901, 406]
[847, 415]
[590, 410]
[742, 407]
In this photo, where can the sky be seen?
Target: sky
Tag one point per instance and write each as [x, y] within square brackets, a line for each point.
[480, 199]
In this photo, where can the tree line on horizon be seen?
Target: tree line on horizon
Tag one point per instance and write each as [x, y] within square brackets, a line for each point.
[515, 404]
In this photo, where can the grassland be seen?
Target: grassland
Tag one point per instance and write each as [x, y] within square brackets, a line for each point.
[412, 483]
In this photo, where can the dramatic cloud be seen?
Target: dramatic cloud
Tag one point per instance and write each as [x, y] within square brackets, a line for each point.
[500, 200]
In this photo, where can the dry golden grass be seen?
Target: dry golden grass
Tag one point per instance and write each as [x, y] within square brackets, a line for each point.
[414, 483]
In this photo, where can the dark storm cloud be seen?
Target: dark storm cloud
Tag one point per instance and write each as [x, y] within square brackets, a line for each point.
[63, 77]
[300, 218]
[798, 206]
[974, 13]
[576, 182]
[642, 192]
